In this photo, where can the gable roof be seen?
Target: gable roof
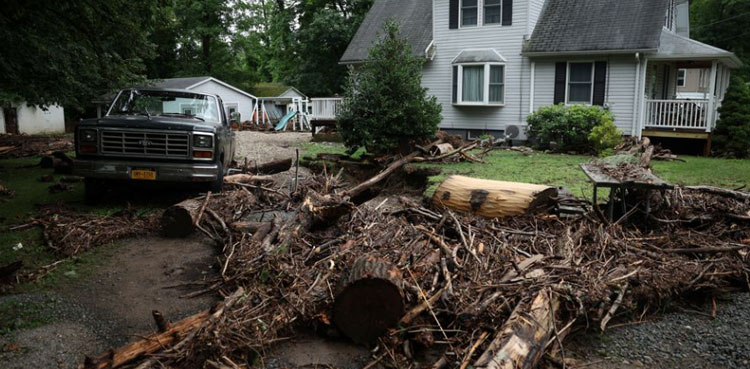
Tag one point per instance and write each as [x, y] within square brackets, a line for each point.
[413, 16]
[178, 83]
[569, 26]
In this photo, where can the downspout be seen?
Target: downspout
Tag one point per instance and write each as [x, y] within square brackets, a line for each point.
[531, 90]
[636, 96]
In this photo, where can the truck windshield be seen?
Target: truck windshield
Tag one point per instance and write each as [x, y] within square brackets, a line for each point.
[166, 103]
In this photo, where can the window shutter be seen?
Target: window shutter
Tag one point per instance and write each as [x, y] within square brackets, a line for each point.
[507, 12]
[453, 22]
[600, 82]
[561, 72]
[455, 84]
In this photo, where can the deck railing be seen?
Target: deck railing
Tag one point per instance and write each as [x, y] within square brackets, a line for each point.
[325, 108]
[680, 114]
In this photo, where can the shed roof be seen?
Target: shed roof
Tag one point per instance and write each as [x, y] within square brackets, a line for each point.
[569, 26]
[413, 16]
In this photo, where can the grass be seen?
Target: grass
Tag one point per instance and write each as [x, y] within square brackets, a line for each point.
[564, 170]
[16, 315]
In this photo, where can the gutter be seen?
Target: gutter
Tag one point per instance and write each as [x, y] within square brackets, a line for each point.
[585, 52]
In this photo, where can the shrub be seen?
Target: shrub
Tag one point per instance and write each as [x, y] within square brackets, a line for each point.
[567, 128]
[604, 138]
[732, 134]
[385, 105]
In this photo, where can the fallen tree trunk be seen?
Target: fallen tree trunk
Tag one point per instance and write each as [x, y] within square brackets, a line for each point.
[521, 341]
[369, 301]
[178, 331]
[739, 195]
[362, 187]
[492, 199]
[247, 178]
[273, 167]
[179, 219]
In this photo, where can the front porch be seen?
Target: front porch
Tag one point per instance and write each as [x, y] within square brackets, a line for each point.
[684, 86]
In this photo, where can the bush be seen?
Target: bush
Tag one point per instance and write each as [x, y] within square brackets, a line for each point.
[732, 134]
[385, 105]
[604, 138]
[568, 128]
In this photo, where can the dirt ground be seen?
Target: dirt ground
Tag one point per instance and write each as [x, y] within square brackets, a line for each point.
[264, 147]
[114, 304]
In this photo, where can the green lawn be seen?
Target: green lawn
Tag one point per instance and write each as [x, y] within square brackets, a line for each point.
[564, 170]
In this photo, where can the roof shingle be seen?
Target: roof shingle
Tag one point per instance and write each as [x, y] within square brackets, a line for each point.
[413, 16]
[598, 25]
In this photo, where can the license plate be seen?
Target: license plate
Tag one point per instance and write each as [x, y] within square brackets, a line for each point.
[143, 174]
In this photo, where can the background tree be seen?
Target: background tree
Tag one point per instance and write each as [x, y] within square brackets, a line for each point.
[732, 134]
[723, 23]
[385, 105]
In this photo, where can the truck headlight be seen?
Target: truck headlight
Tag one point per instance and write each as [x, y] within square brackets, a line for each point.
[203, 141]
[87, 135]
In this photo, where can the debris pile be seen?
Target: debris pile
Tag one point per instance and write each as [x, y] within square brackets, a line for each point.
[21, 146]
[407, 278]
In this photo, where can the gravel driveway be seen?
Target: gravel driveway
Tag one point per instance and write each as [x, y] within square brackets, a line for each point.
[262, 147]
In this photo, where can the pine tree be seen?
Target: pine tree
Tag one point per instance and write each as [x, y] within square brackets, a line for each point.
[385, 105]
[732, 134]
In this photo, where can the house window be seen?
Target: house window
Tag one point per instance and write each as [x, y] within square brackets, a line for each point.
[479, 84]
[681, 77]
[580, 83]
[469, 13]
[492, 11]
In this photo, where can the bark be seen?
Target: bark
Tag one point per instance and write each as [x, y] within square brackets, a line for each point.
[739, 195]
[273, 167]
[179, 219]
[369, 301]
[492, 199]
[362, 187]
[522, 340]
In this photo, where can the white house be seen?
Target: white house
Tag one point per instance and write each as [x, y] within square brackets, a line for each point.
[492, 62]
[23, 118]
[235, 100]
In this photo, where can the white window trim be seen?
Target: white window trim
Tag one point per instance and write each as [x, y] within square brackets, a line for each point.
[486, 94]
[461, 14]
[500, 23]
[567, 83]
[684, 77]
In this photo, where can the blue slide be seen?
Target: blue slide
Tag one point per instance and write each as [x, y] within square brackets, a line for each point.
[285, 120]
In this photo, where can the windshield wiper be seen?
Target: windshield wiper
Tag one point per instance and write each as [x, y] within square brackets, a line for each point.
[143, 113]
[182, 115]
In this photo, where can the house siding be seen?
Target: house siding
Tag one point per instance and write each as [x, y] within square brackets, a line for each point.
[244, 102]
[508, 41]
[621, 79]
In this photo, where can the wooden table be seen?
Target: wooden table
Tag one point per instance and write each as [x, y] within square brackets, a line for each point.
[647, 181]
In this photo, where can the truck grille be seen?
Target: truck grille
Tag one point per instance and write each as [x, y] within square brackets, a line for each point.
[145, 144]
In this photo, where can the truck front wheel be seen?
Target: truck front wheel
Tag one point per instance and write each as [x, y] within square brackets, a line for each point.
[93, 190]
[218, 185]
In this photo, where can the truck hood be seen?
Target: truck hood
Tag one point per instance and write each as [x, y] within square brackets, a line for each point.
[155, 122]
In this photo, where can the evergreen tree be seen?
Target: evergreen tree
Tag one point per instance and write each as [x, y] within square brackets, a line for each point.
[732, 134]
[385, 105]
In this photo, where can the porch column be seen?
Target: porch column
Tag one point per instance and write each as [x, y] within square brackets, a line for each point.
[641, 97]
[710, 115]
[98, 110]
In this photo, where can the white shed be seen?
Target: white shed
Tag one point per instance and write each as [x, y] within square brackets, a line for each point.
[30, 119]
[235, 100]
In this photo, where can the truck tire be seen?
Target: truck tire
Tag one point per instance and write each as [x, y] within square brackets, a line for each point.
[218, 185]
[93, 190]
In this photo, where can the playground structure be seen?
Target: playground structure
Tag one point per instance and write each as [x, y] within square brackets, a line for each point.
[302, 113]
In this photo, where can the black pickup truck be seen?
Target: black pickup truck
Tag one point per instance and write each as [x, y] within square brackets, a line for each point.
[151, 134]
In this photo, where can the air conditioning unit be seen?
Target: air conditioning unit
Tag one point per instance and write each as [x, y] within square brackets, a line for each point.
[515, 133]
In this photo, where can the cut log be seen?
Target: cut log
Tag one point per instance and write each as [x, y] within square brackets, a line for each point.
[521, 341]
[58, 161]
[276, 166]
[492, 199]
[440, 149]
[179, 219]
[369, 301]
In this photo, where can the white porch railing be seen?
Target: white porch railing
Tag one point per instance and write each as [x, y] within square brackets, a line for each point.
[680, 114]
[325, 108]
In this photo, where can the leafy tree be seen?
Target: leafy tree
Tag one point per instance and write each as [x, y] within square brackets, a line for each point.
[385, 105]
[68, 51]
[732, 134]
[723, 23]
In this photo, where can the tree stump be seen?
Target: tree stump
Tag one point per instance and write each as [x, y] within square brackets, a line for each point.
[492, 199]
[178, 220]
[370, 300]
